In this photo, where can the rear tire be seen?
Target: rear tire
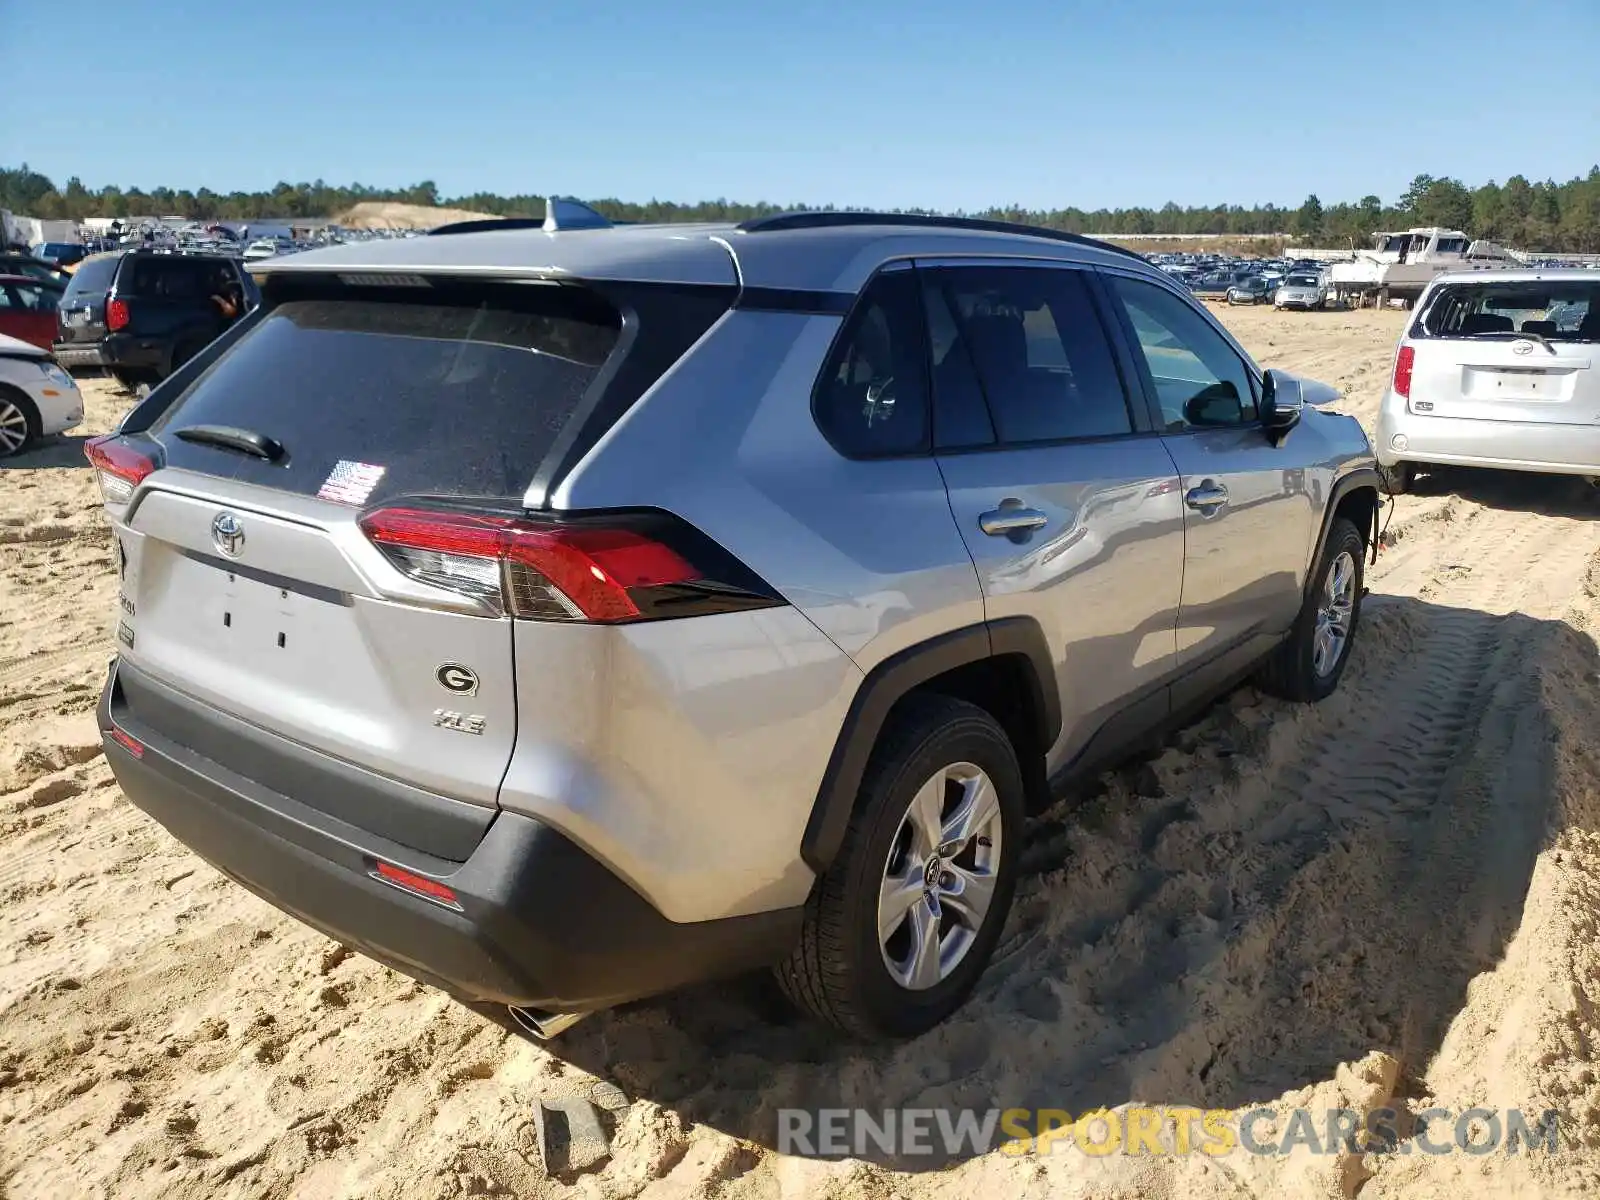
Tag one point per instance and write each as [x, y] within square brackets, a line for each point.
[1309, 663]
[19, 422]
[861, 964]
[1397, 480]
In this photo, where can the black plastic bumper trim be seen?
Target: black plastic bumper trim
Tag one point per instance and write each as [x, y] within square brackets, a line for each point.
[542, 924]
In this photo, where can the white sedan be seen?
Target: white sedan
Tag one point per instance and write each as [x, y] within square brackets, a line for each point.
[37, 398]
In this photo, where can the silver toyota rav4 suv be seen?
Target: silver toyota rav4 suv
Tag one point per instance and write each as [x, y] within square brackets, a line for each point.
[564, 615]
[1497, 369]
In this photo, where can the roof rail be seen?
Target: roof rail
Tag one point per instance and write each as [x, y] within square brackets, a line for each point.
[560, 212]
[831, 220]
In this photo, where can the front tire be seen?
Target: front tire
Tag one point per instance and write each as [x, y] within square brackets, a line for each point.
[19, 423]
[899, 928]
[1308, 665]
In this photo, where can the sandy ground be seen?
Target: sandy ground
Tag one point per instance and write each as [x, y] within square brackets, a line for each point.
[1388, 900]
[384, 214]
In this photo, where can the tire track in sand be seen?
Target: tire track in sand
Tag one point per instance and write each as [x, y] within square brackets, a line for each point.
[1305, 866]
[1391, 871]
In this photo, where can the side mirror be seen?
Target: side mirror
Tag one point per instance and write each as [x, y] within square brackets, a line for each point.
[1282, 402]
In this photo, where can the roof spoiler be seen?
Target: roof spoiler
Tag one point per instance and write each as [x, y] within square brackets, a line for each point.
[560, 212]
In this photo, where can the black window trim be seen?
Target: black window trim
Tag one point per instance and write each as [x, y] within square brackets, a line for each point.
[1147, 383]
[1138, 414]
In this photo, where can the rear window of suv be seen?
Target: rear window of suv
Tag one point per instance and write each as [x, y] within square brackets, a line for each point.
[1558, 310]
[429, 394]
[92, 278]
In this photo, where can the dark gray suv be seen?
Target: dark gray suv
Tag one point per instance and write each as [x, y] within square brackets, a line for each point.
[142, 314]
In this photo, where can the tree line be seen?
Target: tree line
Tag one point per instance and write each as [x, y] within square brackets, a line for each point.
[1532, 216]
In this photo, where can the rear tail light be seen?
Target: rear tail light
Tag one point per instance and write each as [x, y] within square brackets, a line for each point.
[116, 315]
[626, 568]
[118, 466]
[1403, 362]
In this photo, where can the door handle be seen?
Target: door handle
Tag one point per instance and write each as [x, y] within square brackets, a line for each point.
[1010, 518]
[1209, 496]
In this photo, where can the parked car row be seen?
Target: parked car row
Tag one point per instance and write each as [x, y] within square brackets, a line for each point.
[1249, 281]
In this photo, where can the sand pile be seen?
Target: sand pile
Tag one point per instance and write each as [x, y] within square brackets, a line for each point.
[382, 214]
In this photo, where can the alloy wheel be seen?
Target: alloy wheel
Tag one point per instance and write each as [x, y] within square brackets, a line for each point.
[939, 879]
[13, 428]
[1334, 613]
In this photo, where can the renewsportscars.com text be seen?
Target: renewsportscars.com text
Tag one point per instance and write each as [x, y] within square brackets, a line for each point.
[908, 1132]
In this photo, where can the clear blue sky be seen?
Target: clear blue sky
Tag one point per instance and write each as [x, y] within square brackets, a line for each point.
[941, 103]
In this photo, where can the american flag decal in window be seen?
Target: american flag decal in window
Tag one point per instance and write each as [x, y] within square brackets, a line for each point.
[350, 482]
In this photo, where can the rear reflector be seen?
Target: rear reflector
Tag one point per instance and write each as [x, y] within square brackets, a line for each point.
[1403, 362]
[628, 568]
[129, 743]
[119, 467]
[418, 885]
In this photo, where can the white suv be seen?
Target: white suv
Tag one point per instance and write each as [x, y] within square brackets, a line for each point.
[1497, 369]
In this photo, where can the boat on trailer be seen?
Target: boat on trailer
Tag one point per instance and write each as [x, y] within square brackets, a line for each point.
[1401, 264]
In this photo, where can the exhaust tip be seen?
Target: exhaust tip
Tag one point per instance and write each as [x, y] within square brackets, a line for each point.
[544, 1025]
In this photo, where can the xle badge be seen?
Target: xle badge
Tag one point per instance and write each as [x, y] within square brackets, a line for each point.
[443, 718]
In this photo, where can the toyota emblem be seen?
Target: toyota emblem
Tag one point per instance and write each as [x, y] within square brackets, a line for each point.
[227, 534]
[1522, 347]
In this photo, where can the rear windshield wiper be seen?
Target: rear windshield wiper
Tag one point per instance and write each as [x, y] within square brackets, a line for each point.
[1514, 333]
[226, 437]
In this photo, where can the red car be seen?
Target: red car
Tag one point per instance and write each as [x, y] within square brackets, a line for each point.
[28, 309]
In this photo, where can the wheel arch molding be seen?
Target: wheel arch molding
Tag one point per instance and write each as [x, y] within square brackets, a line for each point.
[1014, 644]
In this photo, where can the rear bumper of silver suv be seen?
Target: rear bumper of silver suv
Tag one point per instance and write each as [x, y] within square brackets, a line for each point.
[536, 923]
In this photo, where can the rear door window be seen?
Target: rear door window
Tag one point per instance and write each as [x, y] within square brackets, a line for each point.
[961, 418]
[36, 297]
[444, 393]
[1038, 348]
